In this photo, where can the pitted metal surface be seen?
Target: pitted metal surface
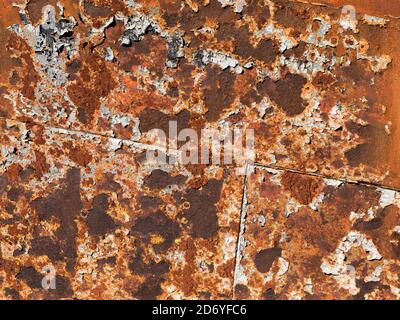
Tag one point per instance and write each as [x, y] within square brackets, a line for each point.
[83, 84]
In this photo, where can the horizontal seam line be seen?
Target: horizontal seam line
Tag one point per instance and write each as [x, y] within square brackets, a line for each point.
[318, 175]
[145, 146]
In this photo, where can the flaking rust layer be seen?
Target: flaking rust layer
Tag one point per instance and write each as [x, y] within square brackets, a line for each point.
[318, 86]
[306, 237]
[110, 223]
[83, 82]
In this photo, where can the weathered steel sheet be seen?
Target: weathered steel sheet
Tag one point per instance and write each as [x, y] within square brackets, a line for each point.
[111, 224]
[84, 82]
[306, 237]
[319, 86]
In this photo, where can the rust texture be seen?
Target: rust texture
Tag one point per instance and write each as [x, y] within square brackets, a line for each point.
[307, 237]
[113, 225]
[84, 82]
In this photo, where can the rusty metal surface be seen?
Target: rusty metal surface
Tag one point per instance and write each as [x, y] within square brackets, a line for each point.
[306, 237]
[112, 224]
[121, 70]
[82, 83]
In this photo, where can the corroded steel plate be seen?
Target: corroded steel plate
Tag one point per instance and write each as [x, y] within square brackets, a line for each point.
[83, 86]
[108, 224]
[306, 237]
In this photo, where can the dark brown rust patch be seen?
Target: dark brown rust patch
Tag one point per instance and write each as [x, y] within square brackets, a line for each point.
[63, 288]
[69, 197]
[14, 193]
[151, 52]
[12, 293]
[358, 72]
[149, 289]
[138, 266]
[3, 183]
[202, 213]
[191, 21]
[107, 261]
[368, 287]
[292, 15]
[323, 80]
[373, 149]
[98, 221]
[157, 224]
[32, 278]
[96, 11]
[258, 11]
[269, 294]
[373, 224]
[241, 291]
[41, 246]
[265, 258]
[218, 94]
[155, 119]
[159, 179]
[286, 93]
[380, 230]
[265, 50]
[297, 52]
[149, 203]
[348, 198]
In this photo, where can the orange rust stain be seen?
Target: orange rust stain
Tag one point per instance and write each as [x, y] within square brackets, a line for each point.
[8, 13]
[8, 16]
[71, 8]
[303, 188]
